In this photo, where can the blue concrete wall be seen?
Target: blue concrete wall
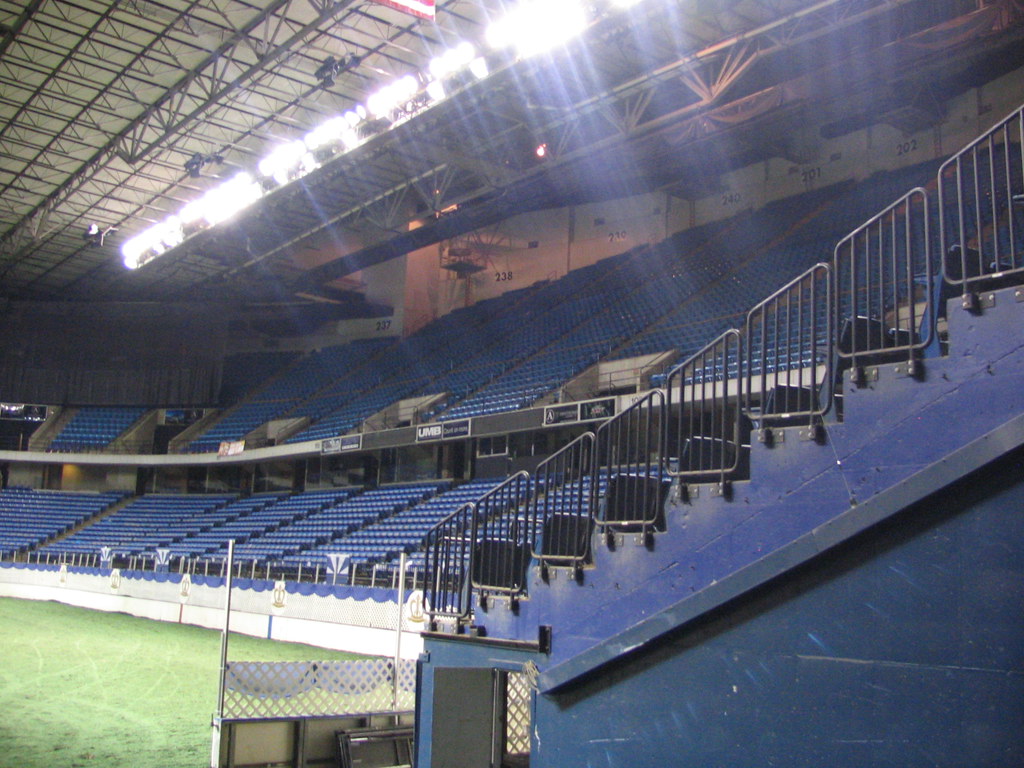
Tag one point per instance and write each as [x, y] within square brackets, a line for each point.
[905, 647]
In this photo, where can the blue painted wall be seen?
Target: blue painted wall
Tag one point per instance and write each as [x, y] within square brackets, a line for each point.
[903, 648]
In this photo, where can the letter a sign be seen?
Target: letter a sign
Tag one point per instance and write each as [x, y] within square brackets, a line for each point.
[422, 8]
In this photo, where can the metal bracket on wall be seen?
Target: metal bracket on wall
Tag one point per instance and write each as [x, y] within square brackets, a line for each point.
[860, 376]
[813, 433]
[975, 302]
[722, 489]
[912, 369]
[771, 436]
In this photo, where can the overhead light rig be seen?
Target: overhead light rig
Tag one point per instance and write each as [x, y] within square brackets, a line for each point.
[532, 27]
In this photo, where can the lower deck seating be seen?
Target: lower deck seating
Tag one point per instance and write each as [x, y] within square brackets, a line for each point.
[29, 517]
[144, 525]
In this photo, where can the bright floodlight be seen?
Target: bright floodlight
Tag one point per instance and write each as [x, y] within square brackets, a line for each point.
[229, 198]
[535, 26]
[452, 60]
[217, 205]
[283, 160]
[478, 67]
[222, 202]
[133, 250]
[325, 133]
[350, 139]
[159, 238]
[435, 90]
[390, 97]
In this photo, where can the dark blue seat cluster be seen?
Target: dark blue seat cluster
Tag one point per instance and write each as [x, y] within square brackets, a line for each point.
[142, 526]
[282, 530]
[402, 532]
[94, 428]
[343, 511]
[763, 249]
[239, 519]
[29, 518]
[287, 390]
[348, 528]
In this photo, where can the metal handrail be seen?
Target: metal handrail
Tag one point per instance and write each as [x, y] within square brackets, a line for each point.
[562, 509]
[630, 452]
[501, 537]
[788, 339]
[449, 554]
[981, 206]
[707, 417]
[884, 278]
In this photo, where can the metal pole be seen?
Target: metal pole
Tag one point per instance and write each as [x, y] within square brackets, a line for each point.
[398, 630]
[215, 749]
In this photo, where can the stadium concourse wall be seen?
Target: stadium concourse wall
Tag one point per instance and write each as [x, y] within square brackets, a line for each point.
[354, 619]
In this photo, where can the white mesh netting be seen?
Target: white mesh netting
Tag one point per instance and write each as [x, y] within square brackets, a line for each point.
[261, 689]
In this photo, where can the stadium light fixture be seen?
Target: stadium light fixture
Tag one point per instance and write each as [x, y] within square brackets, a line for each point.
[94, 234]
[478, 67]
[326, 71]
[283, 161]
[407, 96]
[451, 61]
[195, 164]
[536, 26]
[217, 205]
[435, 90]
[326, 133]
[223, 202]
[153, 242]
[392, 96]
[449, 64]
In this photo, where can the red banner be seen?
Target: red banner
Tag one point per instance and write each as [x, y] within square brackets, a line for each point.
[422, 8]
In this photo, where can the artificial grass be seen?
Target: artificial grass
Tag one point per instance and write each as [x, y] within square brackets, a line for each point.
[81, 688]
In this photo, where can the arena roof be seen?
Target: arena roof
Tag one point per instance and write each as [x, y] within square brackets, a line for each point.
[114, 114]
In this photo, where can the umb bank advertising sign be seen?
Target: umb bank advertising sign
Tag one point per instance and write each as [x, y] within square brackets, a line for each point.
[445, 430]
[422, 8]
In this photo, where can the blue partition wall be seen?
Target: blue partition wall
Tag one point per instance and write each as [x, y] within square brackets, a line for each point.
[896, 650]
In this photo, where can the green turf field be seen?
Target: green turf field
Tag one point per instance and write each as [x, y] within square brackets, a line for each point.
[84, 688]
